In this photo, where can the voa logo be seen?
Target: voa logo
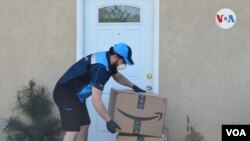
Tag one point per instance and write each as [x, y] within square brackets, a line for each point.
[225, 18]
[236, 132]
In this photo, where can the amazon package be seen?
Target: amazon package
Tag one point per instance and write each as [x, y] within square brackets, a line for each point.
[139, 138]
[138, 113]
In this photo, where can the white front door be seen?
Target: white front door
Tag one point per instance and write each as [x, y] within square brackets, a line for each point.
[108, 22]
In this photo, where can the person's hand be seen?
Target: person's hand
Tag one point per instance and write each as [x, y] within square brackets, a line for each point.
[137, 89]
[112, 126]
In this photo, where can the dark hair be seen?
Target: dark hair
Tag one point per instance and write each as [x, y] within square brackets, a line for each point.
[111, 51]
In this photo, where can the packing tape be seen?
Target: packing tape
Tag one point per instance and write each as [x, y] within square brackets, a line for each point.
[137, 126]
[141, 101]
[140, 138]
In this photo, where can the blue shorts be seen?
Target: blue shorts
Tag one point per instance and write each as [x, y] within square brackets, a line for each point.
[73, 113]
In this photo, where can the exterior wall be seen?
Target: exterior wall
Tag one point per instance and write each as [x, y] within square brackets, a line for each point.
[38, 40]
[204, 70]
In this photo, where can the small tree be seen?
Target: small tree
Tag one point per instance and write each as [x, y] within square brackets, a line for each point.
[33, 102]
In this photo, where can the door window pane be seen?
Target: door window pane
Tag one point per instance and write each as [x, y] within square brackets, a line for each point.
[119, 14]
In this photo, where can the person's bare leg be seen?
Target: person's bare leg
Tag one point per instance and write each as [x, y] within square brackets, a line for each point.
[70, 136]
[83, 134]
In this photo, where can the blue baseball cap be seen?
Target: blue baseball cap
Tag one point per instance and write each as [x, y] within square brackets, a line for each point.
[124, 51]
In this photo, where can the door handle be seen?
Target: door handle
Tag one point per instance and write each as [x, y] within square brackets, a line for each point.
[149, 76]
[149, 88]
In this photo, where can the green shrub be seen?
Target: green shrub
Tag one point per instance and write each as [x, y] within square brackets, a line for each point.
[33, 102]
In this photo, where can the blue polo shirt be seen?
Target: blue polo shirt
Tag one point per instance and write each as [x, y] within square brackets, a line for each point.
[92, 70]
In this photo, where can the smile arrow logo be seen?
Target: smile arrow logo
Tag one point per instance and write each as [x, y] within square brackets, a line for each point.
[157, 114]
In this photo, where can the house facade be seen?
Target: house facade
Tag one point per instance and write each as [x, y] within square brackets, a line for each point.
[202, 70]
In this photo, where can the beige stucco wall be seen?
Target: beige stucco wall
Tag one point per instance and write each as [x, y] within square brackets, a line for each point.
[37, 41]
[204, 70]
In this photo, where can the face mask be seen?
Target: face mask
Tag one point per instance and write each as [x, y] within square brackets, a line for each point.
[121, 67]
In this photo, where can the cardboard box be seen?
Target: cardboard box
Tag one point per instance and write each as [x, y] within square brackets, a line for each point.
[138, 114]
[138, 138]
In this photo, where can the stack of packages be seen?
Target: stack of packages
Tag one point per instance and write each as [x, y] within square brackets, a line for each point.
[140, 116]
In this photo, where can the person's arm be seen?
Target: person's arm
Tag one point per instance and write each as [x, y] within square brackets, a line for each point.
[118, 77]
[121, 79]
[98, 104]
[112, 126]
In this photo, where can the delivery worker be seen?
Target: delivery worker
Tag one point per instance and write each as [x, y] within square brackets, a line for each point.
[88, 77]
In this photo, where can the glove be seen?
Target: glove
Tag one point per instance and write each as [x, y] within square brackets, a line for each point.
[112, 126]
[137, 89]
